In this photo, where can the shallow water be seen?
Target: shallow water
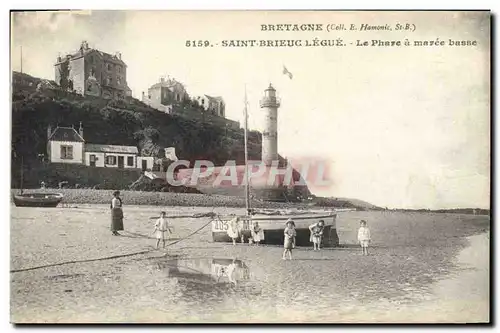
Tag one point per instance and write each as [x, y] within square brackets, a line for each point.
[200, 281]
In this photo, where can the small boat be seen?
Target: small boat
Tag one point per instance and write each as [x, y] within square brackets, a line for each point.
[37, 199]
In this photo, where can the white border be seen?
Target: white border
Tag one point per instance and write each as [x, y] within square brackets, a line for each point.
[173, 4]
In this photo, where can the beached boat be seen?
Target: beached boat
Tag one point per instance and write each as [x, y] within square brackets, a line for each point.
[34, 199]
[38, 199]
[274, 225]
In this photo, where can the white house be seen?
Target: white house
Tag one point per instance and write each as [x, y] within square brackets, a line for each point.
[111, 156]
[66, 145]
[145, 162]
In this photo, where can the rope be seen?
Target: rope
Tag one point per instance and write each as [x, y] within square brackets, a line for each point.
[106, 258]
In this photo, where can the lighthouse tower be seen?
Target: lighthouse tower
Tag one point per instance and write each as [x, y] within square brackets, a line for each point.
[270, 103]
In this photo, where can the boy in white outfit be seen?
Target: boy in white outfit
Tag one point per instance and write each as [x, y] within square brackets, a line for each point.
[364, 237]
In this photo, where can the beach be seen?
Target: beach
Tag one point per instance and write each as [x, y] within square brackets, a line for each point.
[417, 263]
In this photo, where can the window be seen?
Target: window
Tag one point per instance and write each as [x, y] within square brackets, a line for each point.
[109, 67]
[66, 152]
[92, 59]
[130, 161]
[119, 69]
[111, 160]
[118, 80]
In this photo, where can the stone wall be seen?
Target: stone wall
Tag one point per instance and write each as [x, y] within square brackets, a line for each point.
[54, 173]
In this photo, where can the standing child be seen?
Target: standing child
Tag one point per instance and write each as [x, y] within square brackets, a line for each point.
[290, 235]
[364, 237]
[161, 229]
[257, 233]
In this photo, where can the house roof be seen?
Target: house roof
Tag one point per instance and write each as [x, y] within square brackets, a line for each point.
[96, 148]
[104, 55]
[169, 83]
[66, 134]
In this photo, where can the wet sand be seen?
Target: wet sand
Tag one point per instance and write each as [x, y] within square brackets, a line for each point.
[416, 266]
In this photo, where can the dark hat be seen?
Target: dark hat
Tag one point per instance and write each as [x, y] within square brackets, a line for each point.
[116, 193]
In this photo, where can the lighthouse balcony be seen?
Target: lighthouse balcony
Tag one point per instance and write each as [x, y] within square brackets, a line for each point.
[267, 101]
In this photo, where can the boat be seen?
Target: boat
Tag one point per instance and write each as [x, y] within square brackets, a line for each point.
[37, 199]
[273, 222]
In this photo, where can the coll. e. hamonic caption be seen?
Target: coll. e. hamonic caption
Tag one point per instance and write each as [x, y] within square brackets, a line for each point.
[318, 41]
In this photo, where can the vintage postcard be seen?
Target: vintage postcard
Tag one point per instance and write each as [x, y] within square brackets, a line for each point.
[250, 167]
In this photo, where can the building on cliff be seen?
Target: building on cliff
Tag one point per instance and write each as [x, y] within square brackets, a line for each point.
[66, 145]
[170, 96]
[164, 94]
[93, 73]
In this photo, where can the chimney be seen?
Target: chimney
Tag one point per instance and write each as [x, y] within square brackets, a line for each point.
[162, 79]
[119, 55]
[80, 130]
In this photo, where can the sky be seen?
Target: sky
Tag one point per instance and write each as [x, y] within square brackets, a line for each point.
[405, 127]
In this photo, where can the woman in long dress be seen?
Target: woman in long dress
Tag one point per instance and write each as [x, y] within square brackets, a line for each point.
[116, 213]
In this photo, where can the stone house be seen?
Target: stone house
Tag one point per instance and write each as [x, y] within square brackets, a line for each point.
[164, 94]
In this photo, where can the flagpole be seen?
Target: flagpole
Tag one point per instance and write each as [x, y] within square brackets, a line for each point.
[247, 185]
[21, 59]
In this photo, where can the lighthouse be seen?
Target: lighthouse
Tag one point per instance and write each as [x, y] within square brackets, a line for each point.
[270, 103]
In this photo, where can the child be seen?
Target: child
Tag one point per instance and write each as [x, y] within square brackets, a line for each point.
[290, 235]
[364, 237]
[257, 233]
[317, 234]
[162, 229]
[234, 229]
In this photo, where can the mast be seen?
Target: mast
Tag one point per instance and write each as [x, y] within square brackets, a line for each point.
[247, 185]
[21, 59]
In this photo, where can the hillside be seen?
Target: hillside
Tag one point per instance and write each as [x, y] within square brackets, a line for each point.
[118, 122]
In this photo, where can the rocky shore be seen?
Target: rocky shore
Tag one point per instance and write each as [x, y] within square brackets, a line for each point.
[91, 196]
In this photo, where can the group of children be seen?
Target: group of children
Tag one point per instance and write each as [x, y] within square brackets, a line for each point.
[163, 230]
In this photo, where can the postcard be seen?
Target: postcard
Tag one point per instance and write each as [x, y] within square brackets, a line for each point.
[266, 166]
